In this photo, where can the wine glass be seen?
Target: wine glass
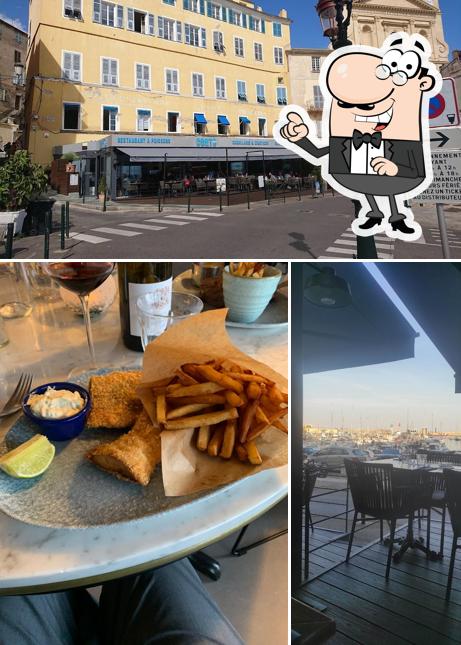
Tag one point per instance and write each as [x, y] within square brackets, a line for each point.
[82, 278]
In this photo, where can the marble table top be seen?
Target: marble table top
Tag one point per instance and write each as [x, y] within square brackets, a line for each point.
[49, 343]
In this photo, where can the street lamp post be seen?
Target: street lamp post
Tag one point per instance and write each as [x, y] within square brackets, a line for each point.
[335, 18]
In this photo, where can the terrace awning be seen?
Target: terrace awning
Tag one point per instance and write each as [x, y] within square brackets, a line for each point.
[172, 154]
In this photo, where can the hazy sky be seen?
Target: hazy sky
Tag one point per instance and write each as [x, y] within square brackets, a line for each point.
[306, 30]
[380, 395]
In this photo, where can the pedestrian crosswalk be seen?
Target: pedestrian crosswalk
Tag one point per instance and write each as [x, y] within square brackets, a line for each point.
[346, 247]
[167, 219]
[454, 238]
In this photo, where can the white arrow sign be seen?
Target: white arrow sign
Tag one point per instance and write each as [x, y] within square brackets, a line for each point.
[446, 139]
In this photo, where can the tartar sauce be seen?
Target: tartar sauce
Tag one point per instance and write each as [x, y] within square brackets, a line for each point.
[56, 404]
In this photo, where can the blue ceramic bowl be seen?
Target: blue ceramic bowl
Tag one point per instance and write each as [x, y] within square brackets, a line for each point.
[248, 298]
[59, 429]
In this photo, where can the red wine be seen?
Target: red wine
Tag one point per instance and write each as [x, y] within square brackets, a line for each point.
[80, 277]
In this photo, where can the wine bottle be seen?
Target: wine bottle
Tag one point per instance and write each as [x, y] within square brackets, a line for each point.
[134, 280]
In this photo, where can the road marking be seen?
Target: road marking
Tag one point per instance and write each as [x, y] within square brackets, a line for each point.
[378, 238]
[189, 217]
[116, 231]
[144, 226]
[92, 239]
[208, 214]
[162, 221]
[385, 247]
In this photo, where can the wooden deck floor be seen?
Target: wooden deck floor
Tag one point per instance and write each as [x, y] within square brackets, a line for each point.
[409, 608]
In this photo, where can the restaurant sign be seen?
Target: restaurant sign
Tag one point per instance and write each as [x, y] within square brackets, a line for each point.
[190, 142]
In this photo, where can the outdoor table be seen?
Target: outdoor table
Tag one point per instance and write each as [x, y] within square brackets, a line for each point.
[49, 343]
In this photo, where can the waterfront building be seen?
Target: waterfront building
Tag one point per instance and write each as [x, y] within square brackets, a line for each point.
[13, 45]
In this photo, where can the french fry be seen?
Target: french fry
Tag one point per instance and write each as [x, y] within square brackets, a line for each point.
[210, 419]
[229, 439]
[161, 408]
[203, 438]
[251, 378]
[280, 426]
[225, 381]
[241, 451]
[216, 442]
[246, 420]
[261, 429]
[253, 390]
[194, 390]
[253, 453]
[260, 415]
[233, 399]
[184, 410]
[185, 379]
[275, 394]
[210, 399]
[160, 383]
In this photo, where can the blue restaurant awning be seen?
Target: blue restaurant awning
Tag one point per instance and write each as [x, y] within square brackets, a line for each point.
[200, 118]
[223, 120]
[245, 119]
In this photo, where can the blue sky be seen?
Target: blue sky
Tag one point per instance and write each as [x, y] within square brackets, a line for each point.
[306, 29]
[381, 395]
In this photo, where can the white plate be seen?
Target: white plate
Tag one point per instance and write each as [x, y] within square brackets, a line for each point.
[275, 316]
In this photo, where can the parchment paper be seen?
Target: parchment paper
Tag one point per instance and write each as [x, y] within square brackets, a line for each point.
[185, 469]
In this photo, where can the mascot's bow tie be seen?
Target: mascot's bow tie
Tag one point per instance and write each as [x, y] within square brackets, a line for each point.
[358, 139]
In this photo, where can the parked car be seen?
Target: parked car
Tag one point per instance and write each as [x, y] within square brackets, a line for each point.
[333, 456]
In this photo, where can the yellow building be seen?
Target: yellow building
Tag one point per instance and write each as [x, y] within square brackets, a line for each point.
[201, 74]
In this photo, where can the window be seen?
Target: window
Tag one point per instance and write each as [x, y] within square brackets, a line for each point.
[200, 123]
[242, 90]
[2, 94]
[170, 29]
[17, 102]
[198, 85]
[109, 118]
[236, 18]
[140, 22]
[282, 97]
[173, 121]
[71, 116]
[170, 2]
[318, 97]
[214, 11]
[142, 76]
[316, 63]
[277, 29]
[218, 41]
[256, 24]
[72, 66]
[109, 71]
[19, 38]
[260, 93]
[223, 124]
[197, 6]
[244, 125]
[195, 36]
[172, 81]
[220, 87]
[262, 127]
[107, 13]
[73, 8]
[17, 56]
[278, 55]
[258, 51]
[143, 120]
[239, 47]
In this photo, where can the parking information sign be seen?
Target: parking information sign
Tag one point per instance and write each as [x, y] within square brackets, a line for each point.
[443, 108]
[446, 186]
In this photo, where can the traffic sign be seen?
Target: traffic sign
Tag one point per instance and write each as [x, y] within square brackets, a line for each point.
[443, 108]
[446, 138]
[446, 185]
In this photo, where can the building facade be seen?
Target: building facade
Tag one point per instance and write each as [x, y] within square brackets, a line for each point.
[13, 45]
[452, 69]
[167, 67]
[372, 21]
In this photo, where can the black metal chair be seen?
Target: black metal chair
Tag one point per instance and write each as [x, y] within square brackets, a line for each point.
[310, 478]
[453, 484]
[439, 502]
[381, 495]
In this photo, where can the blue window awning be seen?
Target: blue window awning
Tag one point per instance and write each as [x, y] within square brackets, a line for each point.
[244, 119]
[111, 108]
[200, 118]
[144, 112]
[223, 120]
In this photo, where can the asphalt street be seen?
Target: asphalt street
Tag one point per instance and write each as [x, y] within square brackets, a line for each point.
[307, 229]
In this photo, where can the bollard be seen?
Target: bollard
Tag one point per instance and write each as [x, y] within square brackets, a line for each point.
[104, 204]
[63, 227]
[46, 250]
[248, 197]
[220, 201]
[159, 201]
[299, 191]
[269, 195]
[9, 240]
[189, 209]
[67, 220]
[228, 197]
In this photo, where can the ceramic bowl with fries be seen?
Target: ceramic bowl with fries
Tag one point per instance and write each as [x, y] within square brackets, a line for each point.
[248, 289]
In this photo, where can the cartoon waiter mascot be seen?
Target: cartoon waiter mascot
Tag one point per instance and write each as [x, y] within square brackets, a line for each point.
[377, 115]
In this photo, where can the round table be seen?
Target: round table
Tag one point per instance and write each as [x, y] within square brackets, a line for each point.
[49, 343]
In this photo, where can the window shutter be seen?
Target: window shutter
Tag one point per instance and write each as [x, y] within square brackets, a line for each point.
[187, 34]
[97, 11]
[113, 71]
[263, 26]
[186, 5]
[138, 76]
[76, 67]
[244, 20]
[67, 65]
[202, 7]
[130, 20]
[68, 4]
[179, 31]
[252, 23]
[209, 13]
[231, 16]
[105, 71]
[146, 77]
[151, 24]
[161, 28]
[77, 5]
[119, 22]
[224, 14]
[203, 37]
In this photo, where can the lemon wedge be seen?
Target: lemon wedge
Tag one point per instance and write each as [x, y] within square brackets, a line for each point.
[30, 459]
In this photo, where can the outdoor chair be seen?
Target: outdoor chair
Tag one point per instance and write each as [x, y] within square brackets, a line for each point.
[380, 494]
[310, 478]
[453, 484]
[439, 501]
[200, 185]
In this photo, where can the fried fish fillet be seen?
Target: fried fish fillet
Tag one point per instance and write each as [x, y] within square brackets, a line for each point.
[115, 402]
[132, 456]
